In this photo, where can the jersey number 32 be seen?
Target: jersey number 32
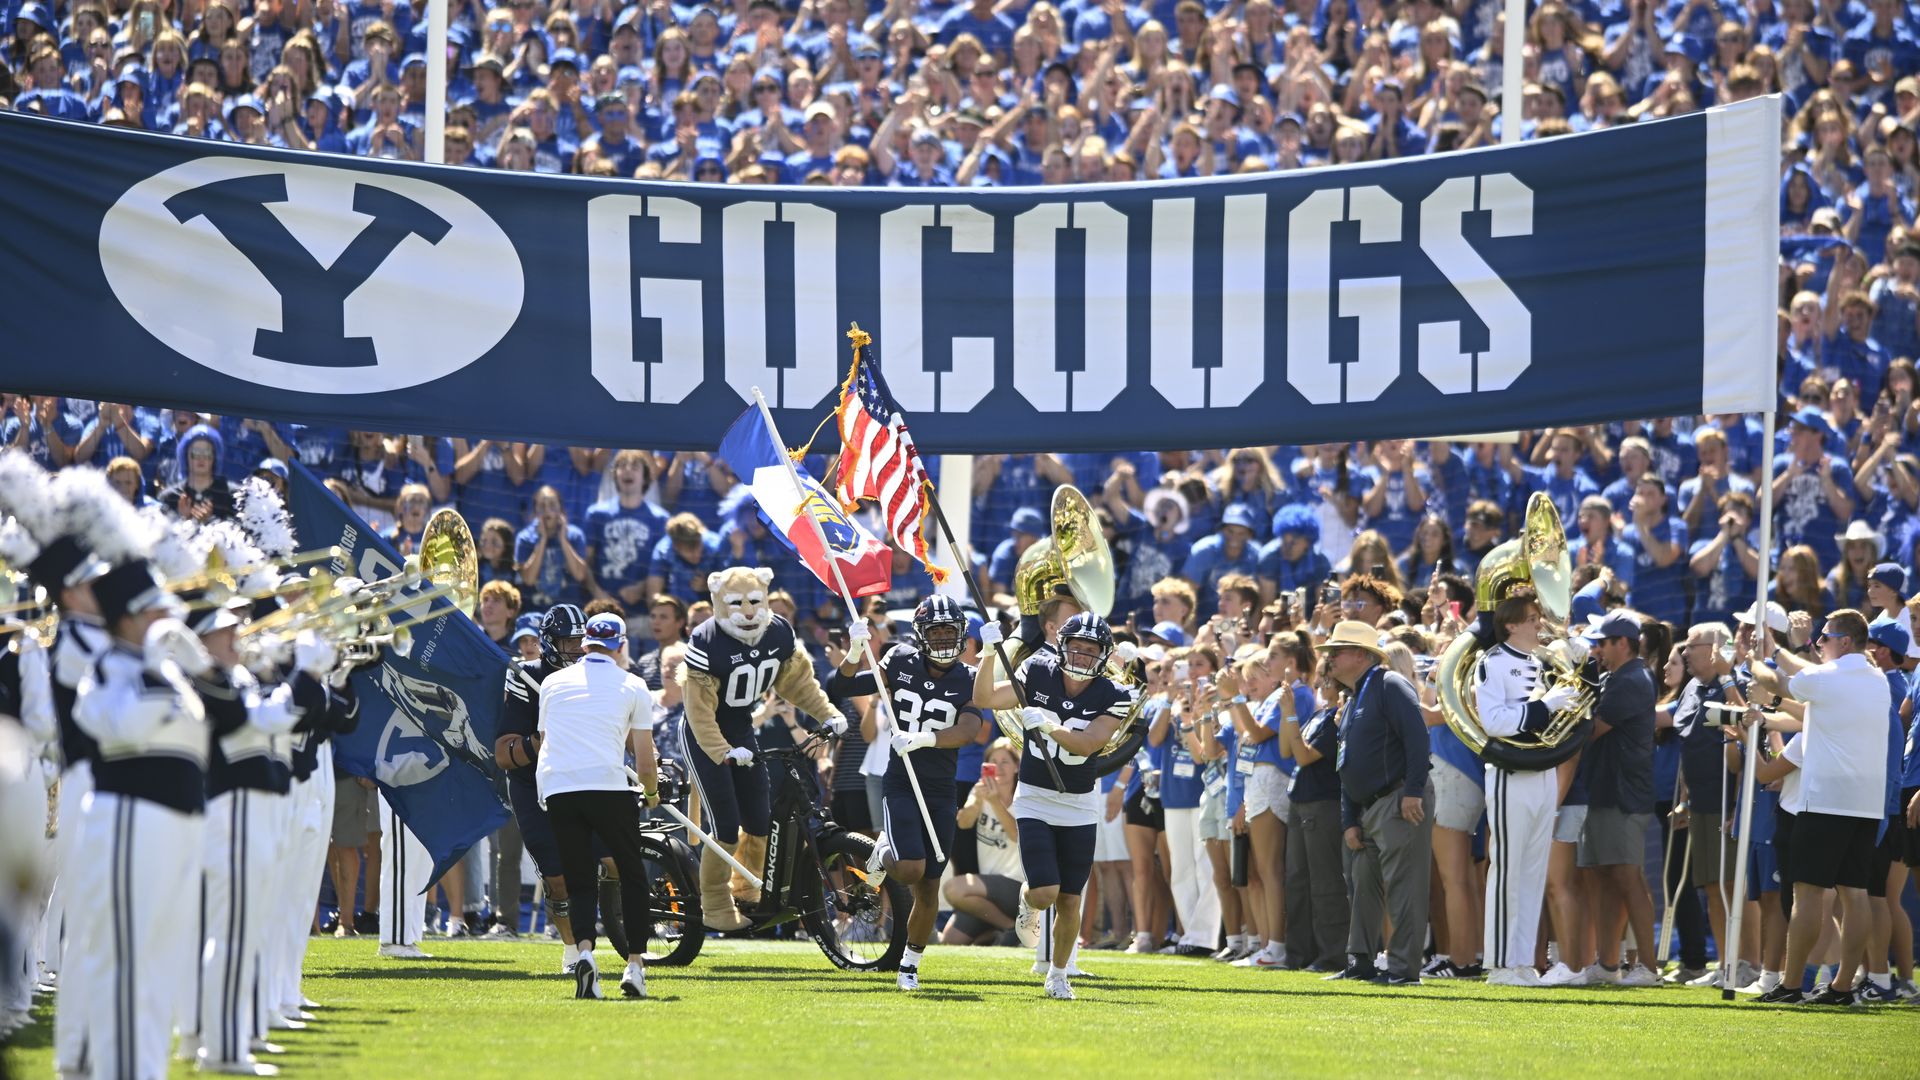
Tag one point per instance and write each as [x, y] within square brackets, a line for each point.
[917, 714]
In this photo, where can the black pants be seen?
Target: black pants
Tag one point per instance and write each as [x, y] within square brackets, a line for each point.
[964, 855]
[578, 817]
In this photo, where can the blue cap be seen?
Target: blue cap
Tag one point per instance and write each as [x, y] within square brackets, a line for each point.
[37, 14]
[1810, 417]
[244, 101]
[1225, 92]
[974, 623]
[1240, 514]
[1887, 632]
[132, 73]
[520, 633]
[1028, 520]
[868, 51]
[272, 465]
[1615, 624]
[1293, 118]
[628, 20]
[607, 630]
[1892, 575]
[703, 75]
[564, 56]
[630, 74]
[413, 60]
[1169, 631]
[530, 621]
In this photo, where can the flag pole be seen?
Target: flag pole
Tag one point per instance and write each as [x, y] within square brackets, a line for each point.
[1763, 647]
[846, 595]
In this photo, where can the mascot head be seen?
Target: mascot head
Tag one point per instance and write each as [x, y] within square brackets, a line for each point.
[739, 597]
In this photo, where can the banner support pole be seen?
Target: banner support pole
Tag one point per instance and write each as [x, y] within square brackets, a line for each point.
[435, 134]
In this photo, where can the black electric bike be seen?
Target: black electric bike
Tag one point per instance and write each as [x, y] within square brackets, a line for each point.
[815, 872]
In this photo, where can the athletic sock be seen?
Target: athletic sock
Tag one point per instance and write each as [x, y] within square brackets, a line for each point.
[1055, 971]
[1769, 980]
[570, 955]
[1883, 980]
[1272, 951]
[911, 958]
[1809, 978]
[1143, 940]
[1236, 942]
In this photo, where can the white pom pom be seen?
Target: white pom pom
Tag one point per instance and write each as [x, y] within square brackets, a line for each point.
[263, 514]
[25, 494]
[17, 546]
[181, 551]
[91, 509]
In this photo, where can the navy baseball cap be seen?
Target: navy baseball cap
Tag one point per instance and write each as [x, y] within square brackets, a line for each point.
[1615, 624]
[1892, 575]
[607, 630]
[564, 56]
[868, 52]
[1028, 520]
[974, 623]
[1810, 417]
[413, 60]
[271, 465]
[1169, 631]
[521, 633]
[1885, 631]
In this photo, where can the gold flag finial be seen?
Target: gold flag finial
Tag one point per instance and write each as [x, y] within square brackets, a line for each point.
[859, 337]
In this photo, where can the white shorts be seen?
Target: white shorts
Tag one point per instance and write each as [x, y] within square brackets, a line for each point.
[1110, 839]
[1459, 801]
[1267, 792]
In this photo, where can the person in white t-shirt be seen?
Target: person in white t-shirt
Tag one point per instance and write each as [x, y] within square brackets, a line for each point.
[984, 903]
[1833, 780]
[591, 715]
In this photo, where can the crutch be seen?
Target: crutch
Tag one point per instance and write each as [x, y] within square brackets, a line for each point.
[1665, 944]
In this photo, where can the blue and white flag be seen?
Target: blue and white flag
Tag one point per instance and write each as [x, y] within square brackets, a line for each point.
[428, 719]
[1588, 278]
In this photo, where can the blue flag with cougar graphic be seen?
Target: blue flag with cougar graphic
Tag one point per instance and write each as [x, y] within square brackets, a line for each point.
[427, 719]
[1621, 273]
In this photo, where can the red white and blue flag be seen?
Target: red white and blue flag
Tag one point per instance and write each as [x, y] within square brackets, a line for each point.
[756, 456]
[878, 460]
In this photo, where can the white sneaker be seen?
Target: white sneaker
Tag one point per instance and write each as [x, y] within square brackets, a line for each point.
[1562, 975]
[1270, 959]
[1245, 961]
[908, 978]
[633, 984]
[237, 1068]
[586, 979]
[876, 863]
[404, 952]
[1711, 978]
[1026, 924]
[262, 1046]
[279, 1022]
[1059, 988]
[1515, 976]
[1599, 976]
[1766, 981]
[1142, 944]
[1639, 975]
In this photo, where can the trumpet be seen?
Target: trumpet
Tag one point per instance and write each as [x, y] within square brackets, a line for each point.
[222, 582]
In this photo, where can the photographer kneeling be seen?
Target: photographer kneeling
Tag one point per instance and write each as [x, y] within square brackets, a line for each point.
[590, 713]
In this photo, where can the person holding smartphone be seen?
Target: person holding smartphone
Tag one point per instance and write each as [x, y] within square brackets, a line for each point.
[984, 903]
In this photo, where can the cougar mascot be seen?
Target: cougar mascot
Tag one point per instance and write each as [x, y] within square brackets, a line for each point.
[733, 659]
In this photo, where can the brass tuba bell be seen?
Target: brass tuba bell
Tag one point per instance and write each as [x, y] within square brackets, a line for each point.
[1074, 560]
[1537, 557]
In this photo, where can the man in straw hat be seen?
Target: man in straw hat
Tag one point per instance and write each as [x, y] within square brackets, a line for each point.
[1385, 807]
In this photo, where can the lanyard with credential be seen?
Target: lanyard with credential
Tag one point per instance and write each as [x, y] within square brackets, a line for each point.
[1346, 723]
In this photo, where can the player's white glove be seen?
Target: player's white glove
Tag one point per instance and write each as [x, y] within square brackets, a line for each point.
[906, 743]
[1126, 652]
[835, 723]
[859, 631]
[990, 634]
[1033, 718]
[739, 755]
[1559, 698]
[169, 639]
[314, 654]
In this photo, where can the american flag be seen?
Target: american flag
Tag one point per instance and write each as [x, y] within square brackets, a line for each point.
[878, 460]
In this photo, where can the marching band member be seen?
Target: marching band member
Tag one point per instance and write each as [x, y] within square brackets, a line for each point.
[1521, 803]
[1073, 709]
[136, 860]
[932, 691]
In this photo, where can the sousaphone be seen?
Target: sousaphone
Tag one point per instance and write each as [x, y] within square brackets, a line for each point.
[1072, 560]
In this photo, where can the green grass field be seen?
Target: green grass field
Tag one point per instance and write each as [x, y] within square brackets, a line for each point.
[481, 1009]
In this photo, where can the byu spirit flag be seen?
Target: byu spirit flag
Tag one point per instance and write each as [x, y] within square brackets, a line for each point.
[428, 719]
[1624, 273]
[757, 457]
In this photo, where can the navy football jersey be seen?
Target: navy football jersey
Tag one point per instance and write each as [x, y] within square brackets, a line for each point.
[922, 701]
[1046, 688]
[745, 672]
[520, 715]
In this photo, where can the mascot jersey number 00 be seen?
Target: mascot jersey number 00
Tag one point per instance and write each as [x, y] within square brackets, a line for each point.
[733, 659]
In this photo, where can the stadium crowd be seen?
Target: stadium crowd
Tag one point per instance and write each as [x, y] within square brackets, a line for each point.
[1232, 565]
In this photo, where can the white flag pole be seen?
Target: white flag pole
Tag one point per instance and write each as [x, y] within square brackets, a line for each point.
[435, 150]
[846, 596]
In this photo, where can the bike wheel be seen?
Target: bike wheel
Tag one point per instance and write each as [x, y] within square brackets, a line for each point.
[674, 934]
[860, 928]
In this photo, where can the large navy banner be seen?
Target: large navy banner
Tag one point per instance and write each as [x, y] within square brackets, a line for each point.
[1625, 273]
[427, 719]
